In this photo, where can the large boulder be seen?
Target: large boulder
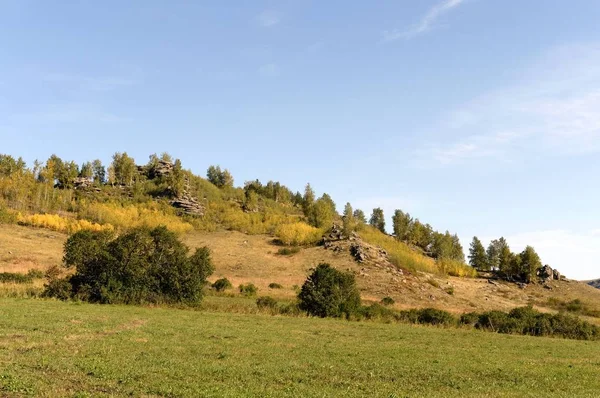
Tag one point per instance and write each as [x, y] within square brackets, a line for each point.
[546, 273]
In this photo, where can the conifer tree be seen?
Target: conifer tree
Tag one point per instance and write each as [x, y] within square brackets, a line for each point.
[377, 219]
[477, 255]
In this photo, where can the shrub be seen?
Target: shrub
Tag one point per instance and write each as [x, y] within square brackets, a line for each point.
[298, 234]
[266, 302]
[387, 301]
[450, 290]
[248, 289]
[222, 284]
[288, 251]
[433, 282]
[143, 265]
[36, 274]
[291, 309]
[59, 288]
[434, 316]
[469, 318]
[7, 216]
[377, 311]
[329, 293]
[275, 286]
[14, 277]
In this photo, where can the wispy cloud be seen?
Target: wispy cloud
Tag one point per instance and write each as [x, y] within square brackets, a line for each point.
[425, 24]
[551, 110]
[269, 70]
[89, 83]
[268, 18]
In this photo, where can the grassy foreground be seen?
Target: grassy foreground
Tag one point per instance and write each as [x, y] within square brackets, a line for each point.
[52, 348]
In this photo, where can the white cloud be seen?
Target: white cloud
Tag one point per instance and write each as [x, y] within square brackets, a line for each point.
[90, 83]
[573, 254]
[268, 18]
[425, 24]
[552, 109]
[269, 70]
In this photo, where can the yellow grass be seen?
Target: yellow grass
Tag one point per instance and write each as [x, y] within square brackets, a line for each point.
[122, 217]
[403, 256]
[298, 234]
[59, 223]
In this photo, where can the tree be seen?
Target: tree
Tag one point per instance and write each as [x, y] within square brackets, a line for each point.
[477, 255]
[348, 219]
[218, 177]
[10, 166]
[176, 179]
[308, 200]
[530, 263]
[329, 293]
[504, 261]
[402, 223]
[458, 253]
[124, 169]
[360, 217]
[98, 172]
[377, 219]
[492, 254]
[142, 265]
[322, 213]
[86, 171]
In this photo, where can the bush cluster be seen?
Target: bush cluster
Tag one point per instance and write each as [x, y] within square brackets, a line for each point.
[528, 321]
[141, 266]
[329, 293]
[222, 284]
[14, 277]
[248, 289]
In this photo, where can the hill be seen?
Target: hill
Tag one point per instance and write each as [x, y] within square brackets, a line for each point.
[594, 283]
[266, 233]
[244, 258]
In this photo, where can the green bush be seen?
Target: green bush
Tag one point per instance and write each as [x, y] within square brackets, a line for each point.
[275, 286]
[222, 284]
[142, 265]
[36, 274]
[14, 277]
[288, 251]
[470, 319]
[266, 302]
[378, 312]
[329, 293]
[248, 289]
[433, 316]
[387, 301]
[59, 288]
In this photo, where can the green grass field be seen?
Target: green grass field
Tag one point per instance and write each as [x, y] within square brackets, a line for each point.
[50, 348]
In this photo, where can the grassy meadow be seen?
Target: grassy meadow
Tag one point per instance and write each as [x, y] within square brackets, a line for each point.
[50, 348]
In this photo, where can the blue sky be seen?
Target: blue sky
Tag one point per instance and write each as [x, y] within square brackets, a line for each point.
[477, 116]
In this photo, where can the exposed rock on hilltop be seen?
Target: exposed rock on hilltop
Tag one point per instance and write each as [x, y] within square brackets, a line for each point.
[361, 251]
[188, 204]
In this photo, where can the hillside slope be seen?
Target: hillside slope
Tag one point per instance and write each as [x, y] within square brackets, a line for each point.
[254, 258]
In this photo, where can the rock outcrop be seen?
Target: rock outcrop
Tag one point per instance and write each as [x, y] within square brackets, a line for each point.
[188, 204]
[361, 251]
